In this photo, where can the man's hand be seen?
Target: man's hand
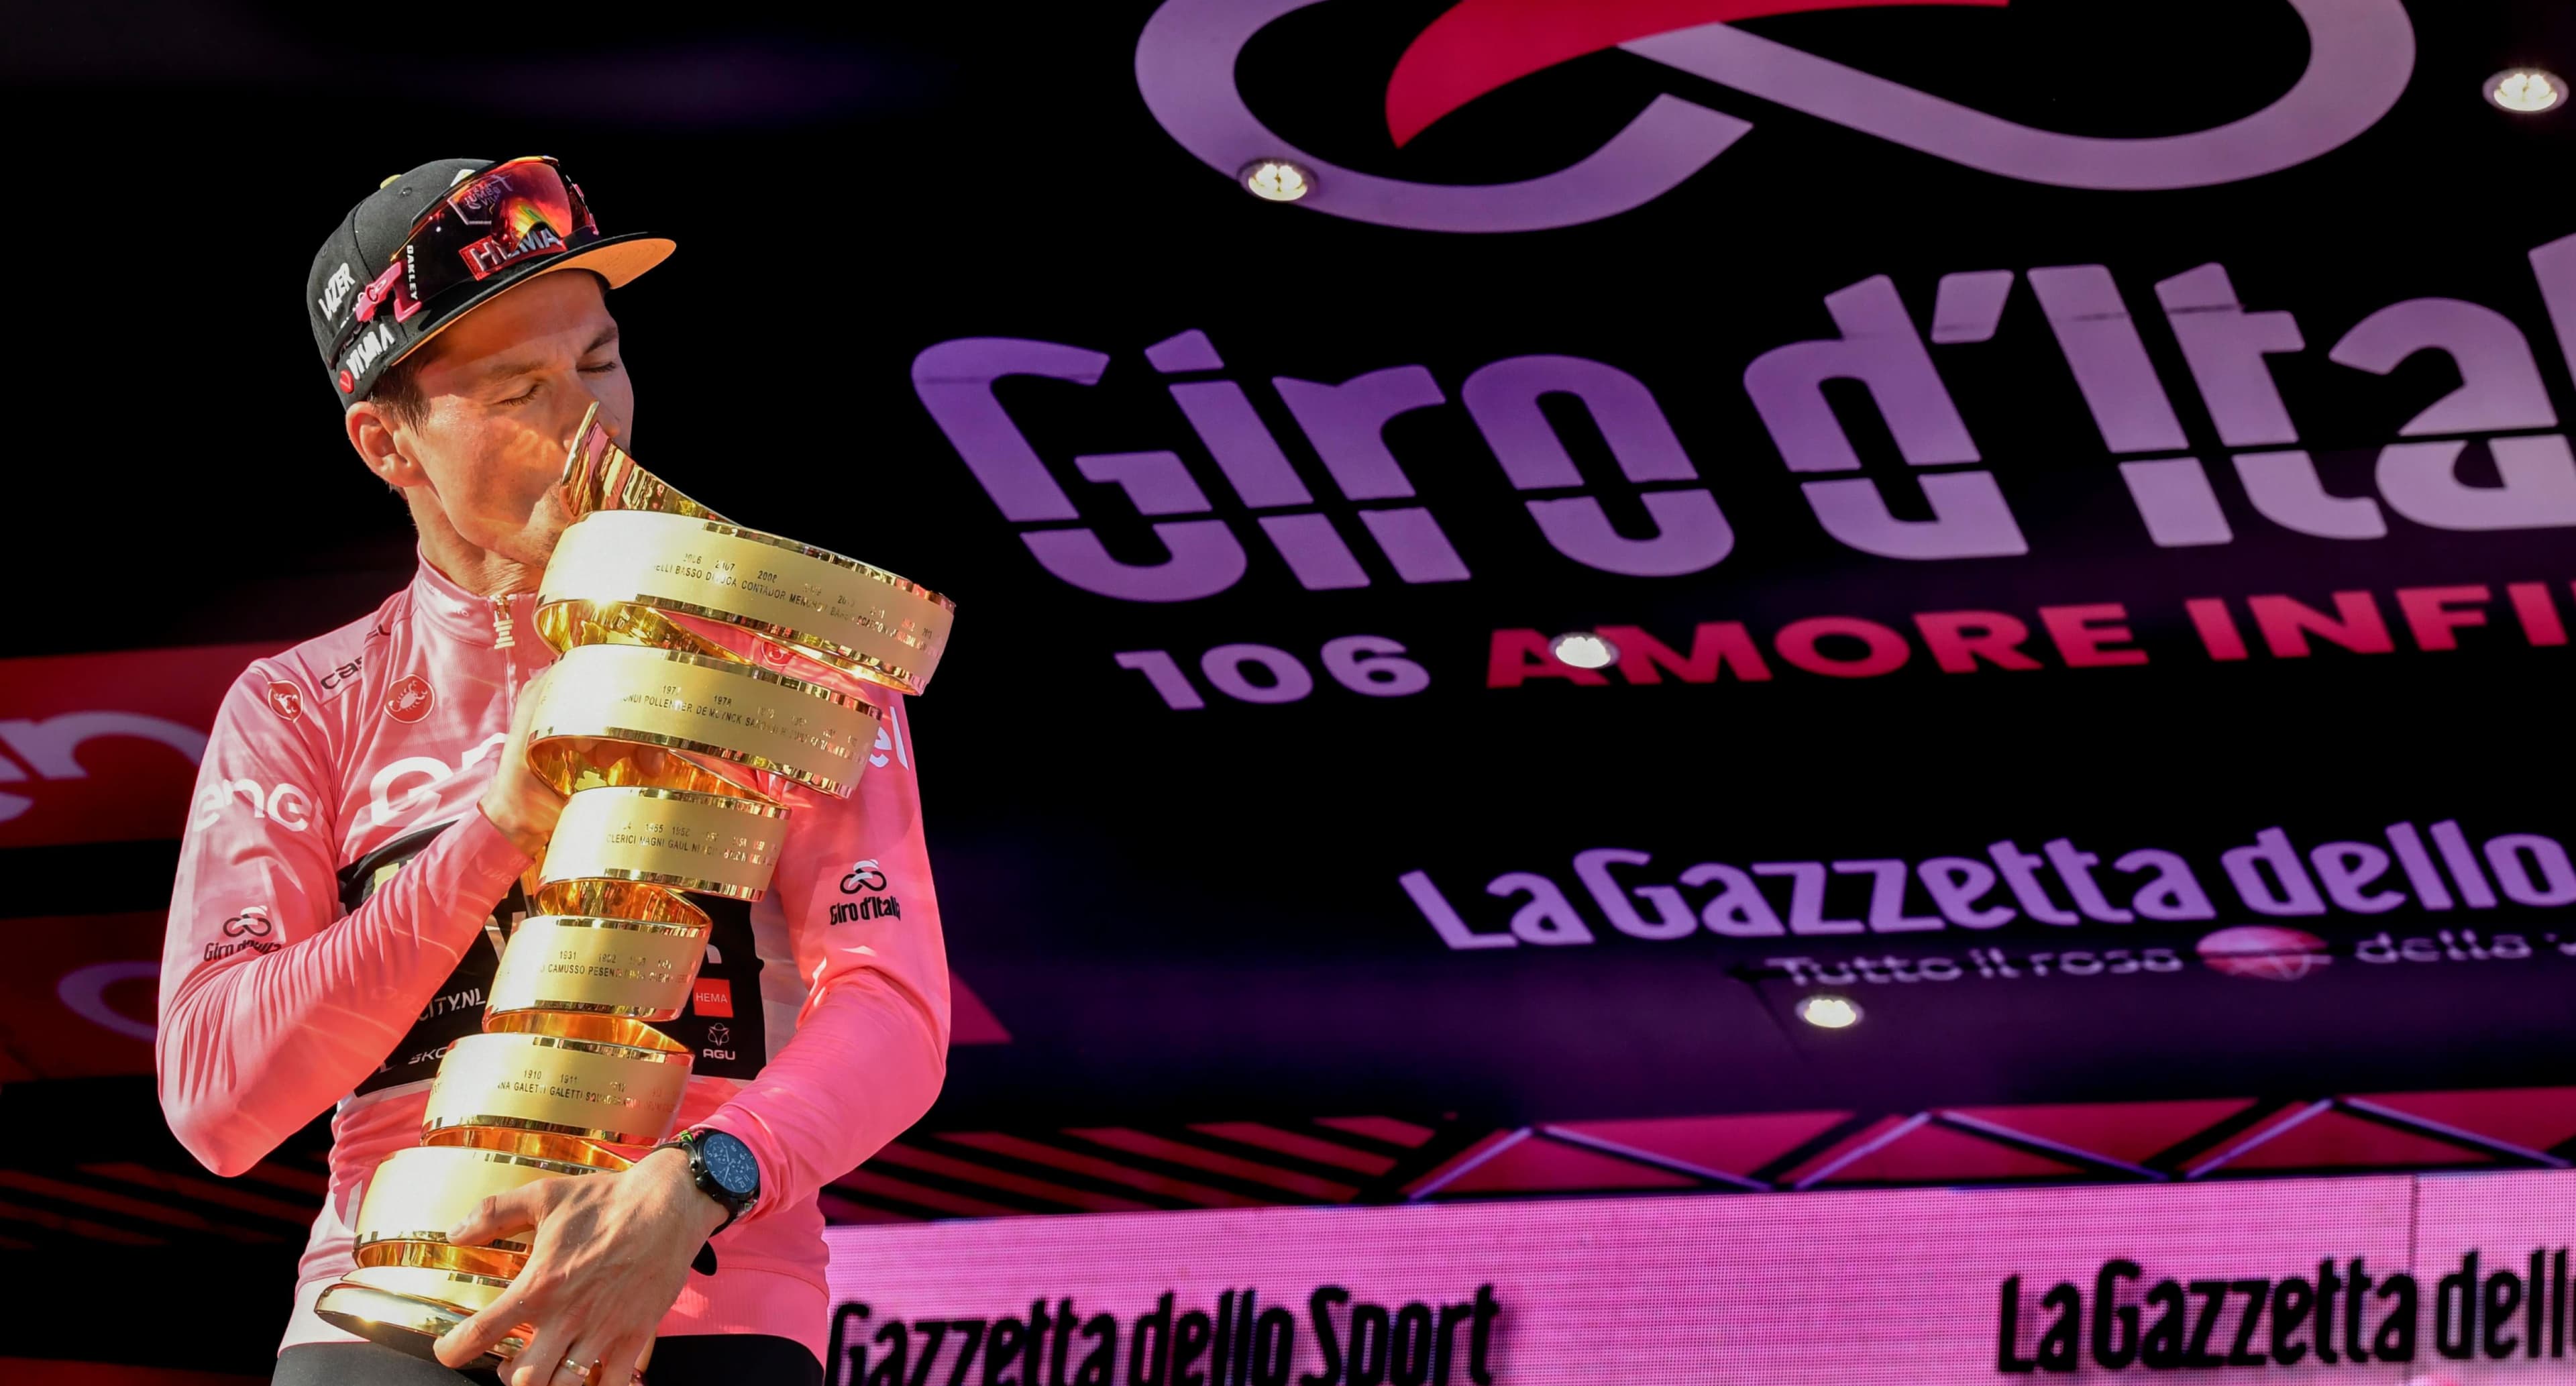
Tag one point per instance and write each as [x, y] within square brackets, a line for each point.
[522, 806]
[609, 1255]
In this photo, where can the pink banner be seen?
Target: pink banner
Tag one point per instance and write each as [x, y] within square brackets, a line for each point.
[2456, 1280]
[104, 747]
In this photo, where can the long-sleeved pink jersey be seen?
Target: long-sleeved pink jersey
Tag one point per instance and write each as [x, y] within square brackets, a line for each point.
[340, 899]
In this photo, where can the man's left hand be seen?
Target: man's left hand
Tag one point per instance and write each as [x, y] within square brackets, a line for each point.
[608, 1256]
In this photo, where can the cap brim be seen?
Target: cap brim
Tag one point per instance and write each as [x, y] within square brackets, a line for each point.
[615, 259]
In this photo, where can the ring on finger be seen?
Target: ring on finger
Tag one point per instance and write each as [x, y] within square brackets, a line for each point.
[580, 1368]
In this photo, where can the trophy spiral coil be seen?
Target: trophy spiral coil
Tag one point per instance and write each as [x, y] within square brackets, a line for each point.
[677, 749]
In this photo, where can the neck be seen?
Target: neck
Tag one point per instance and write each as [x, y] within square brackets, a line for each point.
[478, 570]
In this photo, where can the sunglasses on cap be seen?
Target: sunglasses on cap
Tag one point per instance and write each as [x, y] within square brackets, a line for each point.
[514, 211]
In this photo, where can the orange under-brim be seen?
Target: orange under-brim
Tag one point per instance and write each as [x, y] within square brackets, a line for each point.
[617, 260]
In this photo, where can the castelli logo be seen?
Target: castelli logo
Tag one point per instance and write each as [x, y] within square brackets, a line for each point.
[348, 382]
[285, 699]
[2360, 54]
[410, 699]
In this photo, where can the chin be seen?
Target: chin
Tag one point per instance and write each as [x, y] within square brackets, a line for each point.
[529, 548]
[541, 548]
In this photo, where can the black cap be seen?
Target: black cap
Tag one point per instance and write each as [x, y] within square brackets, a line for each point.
[369, 243]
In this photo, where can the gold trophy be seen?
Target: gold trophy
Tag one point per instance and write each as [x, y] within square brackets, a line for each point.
[655, 730]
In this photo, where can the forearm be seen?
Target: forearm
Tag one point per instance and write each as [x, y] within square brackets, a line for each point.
[865, 1064]
[250, 1050]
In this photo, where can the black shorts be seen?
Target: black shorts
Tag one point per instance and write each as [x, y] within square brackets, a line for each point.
[715, 1359]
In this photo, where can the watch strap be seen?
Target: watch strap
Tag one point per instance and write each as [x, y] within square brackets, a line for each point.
[704, 1263]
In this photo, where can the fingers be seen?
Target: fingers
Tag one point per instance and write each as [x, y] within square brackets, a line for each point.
[543, 1361]
[512, 1211]
[618, 1366]
[586, 1363]
[472, 1338]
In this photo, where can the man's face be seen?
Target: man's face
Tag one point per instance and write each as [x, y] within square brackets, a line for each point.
[504, 390]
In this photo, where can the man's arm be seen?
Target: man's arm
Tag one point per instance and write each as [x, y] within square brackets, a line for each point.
[871, 1044]
[869, 1053]
[270, 1012]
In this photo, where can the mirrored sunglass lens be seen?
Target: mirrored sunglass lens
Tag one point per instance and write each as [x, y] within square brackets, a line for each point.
[514, 211]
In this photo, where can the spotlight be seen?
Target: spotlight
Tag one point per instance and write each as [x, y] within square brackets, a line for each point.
[1829, 1012]
[2525, 90]
[1276, 180]
[1584, 650]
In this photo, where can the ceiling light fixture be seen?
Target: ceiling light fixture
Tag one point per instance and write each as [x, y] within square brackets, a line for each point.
[1829, 1012]
[2526, 91]
[1584, 650]
[1277, 180]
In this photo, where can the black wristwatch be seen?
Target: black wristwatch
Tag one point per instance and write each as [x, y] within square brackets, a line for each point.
[725, 1170]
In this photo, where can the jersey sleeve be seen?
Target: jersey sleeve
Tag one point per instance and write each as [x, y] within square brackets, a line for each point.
[272, 1007]
[871, 1044]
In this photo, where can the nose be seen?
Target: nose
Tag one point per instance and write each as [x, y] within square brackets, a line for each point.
[590, 412]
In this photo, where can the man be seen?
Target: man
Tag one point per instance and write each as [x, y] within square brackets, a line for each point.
[461, 317]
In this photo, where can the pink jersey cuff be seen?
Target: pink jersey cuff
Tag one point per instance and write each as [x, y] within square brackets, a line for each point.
[753, 1133]
[485, 855]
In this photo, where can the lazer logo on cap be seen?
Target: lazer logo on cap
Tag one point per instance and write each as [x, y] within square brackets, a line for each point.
[371, 344]
[2360, 54]
[336, 289]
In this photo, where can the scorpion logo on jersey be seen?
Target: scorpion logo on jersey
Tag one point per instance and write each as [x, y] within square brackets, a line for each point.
[410, 699]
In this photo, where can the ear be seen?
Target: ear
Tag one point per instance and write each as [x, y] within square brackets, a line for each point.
[372, 432]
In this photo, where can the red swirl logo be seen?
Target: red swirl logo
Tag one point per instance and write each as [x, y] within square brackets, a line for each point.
[2360, 54]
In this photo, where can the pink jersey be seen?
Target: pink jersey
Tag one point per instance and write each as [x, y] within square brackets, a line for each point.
[340, 897]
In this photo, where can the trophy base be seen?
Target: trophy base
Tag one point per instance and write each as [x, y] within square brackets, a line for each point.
[403, 1323]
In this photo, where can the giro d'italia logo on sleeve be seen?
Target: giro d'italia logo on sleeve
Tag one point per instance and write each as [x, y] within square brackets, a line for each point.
[2360, 54]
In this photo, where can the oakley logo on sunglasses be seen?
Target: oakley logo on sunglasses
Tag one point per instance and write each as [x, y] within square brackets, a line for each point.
[388, 283]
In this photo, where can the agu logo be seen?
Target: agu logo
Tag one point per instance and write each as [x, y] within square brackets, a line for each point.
[2360, 54]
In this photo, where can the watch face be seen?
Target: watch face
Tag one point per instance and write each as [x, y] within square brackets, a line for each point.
[731, 1162]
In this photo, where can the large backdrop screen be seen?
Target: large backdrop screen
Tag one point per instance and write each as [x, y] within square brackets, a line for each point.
[2428, 1281]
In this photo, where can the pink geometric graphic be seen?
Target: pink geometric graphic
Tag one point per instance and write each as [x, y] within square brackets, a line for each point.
[2332, 1139]
[1291, 1143]
[1729, 1144]
[1388, 1129]
[2125, 1131]
[1931, 1153]
[1539, 1165]
[2537, 1119]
